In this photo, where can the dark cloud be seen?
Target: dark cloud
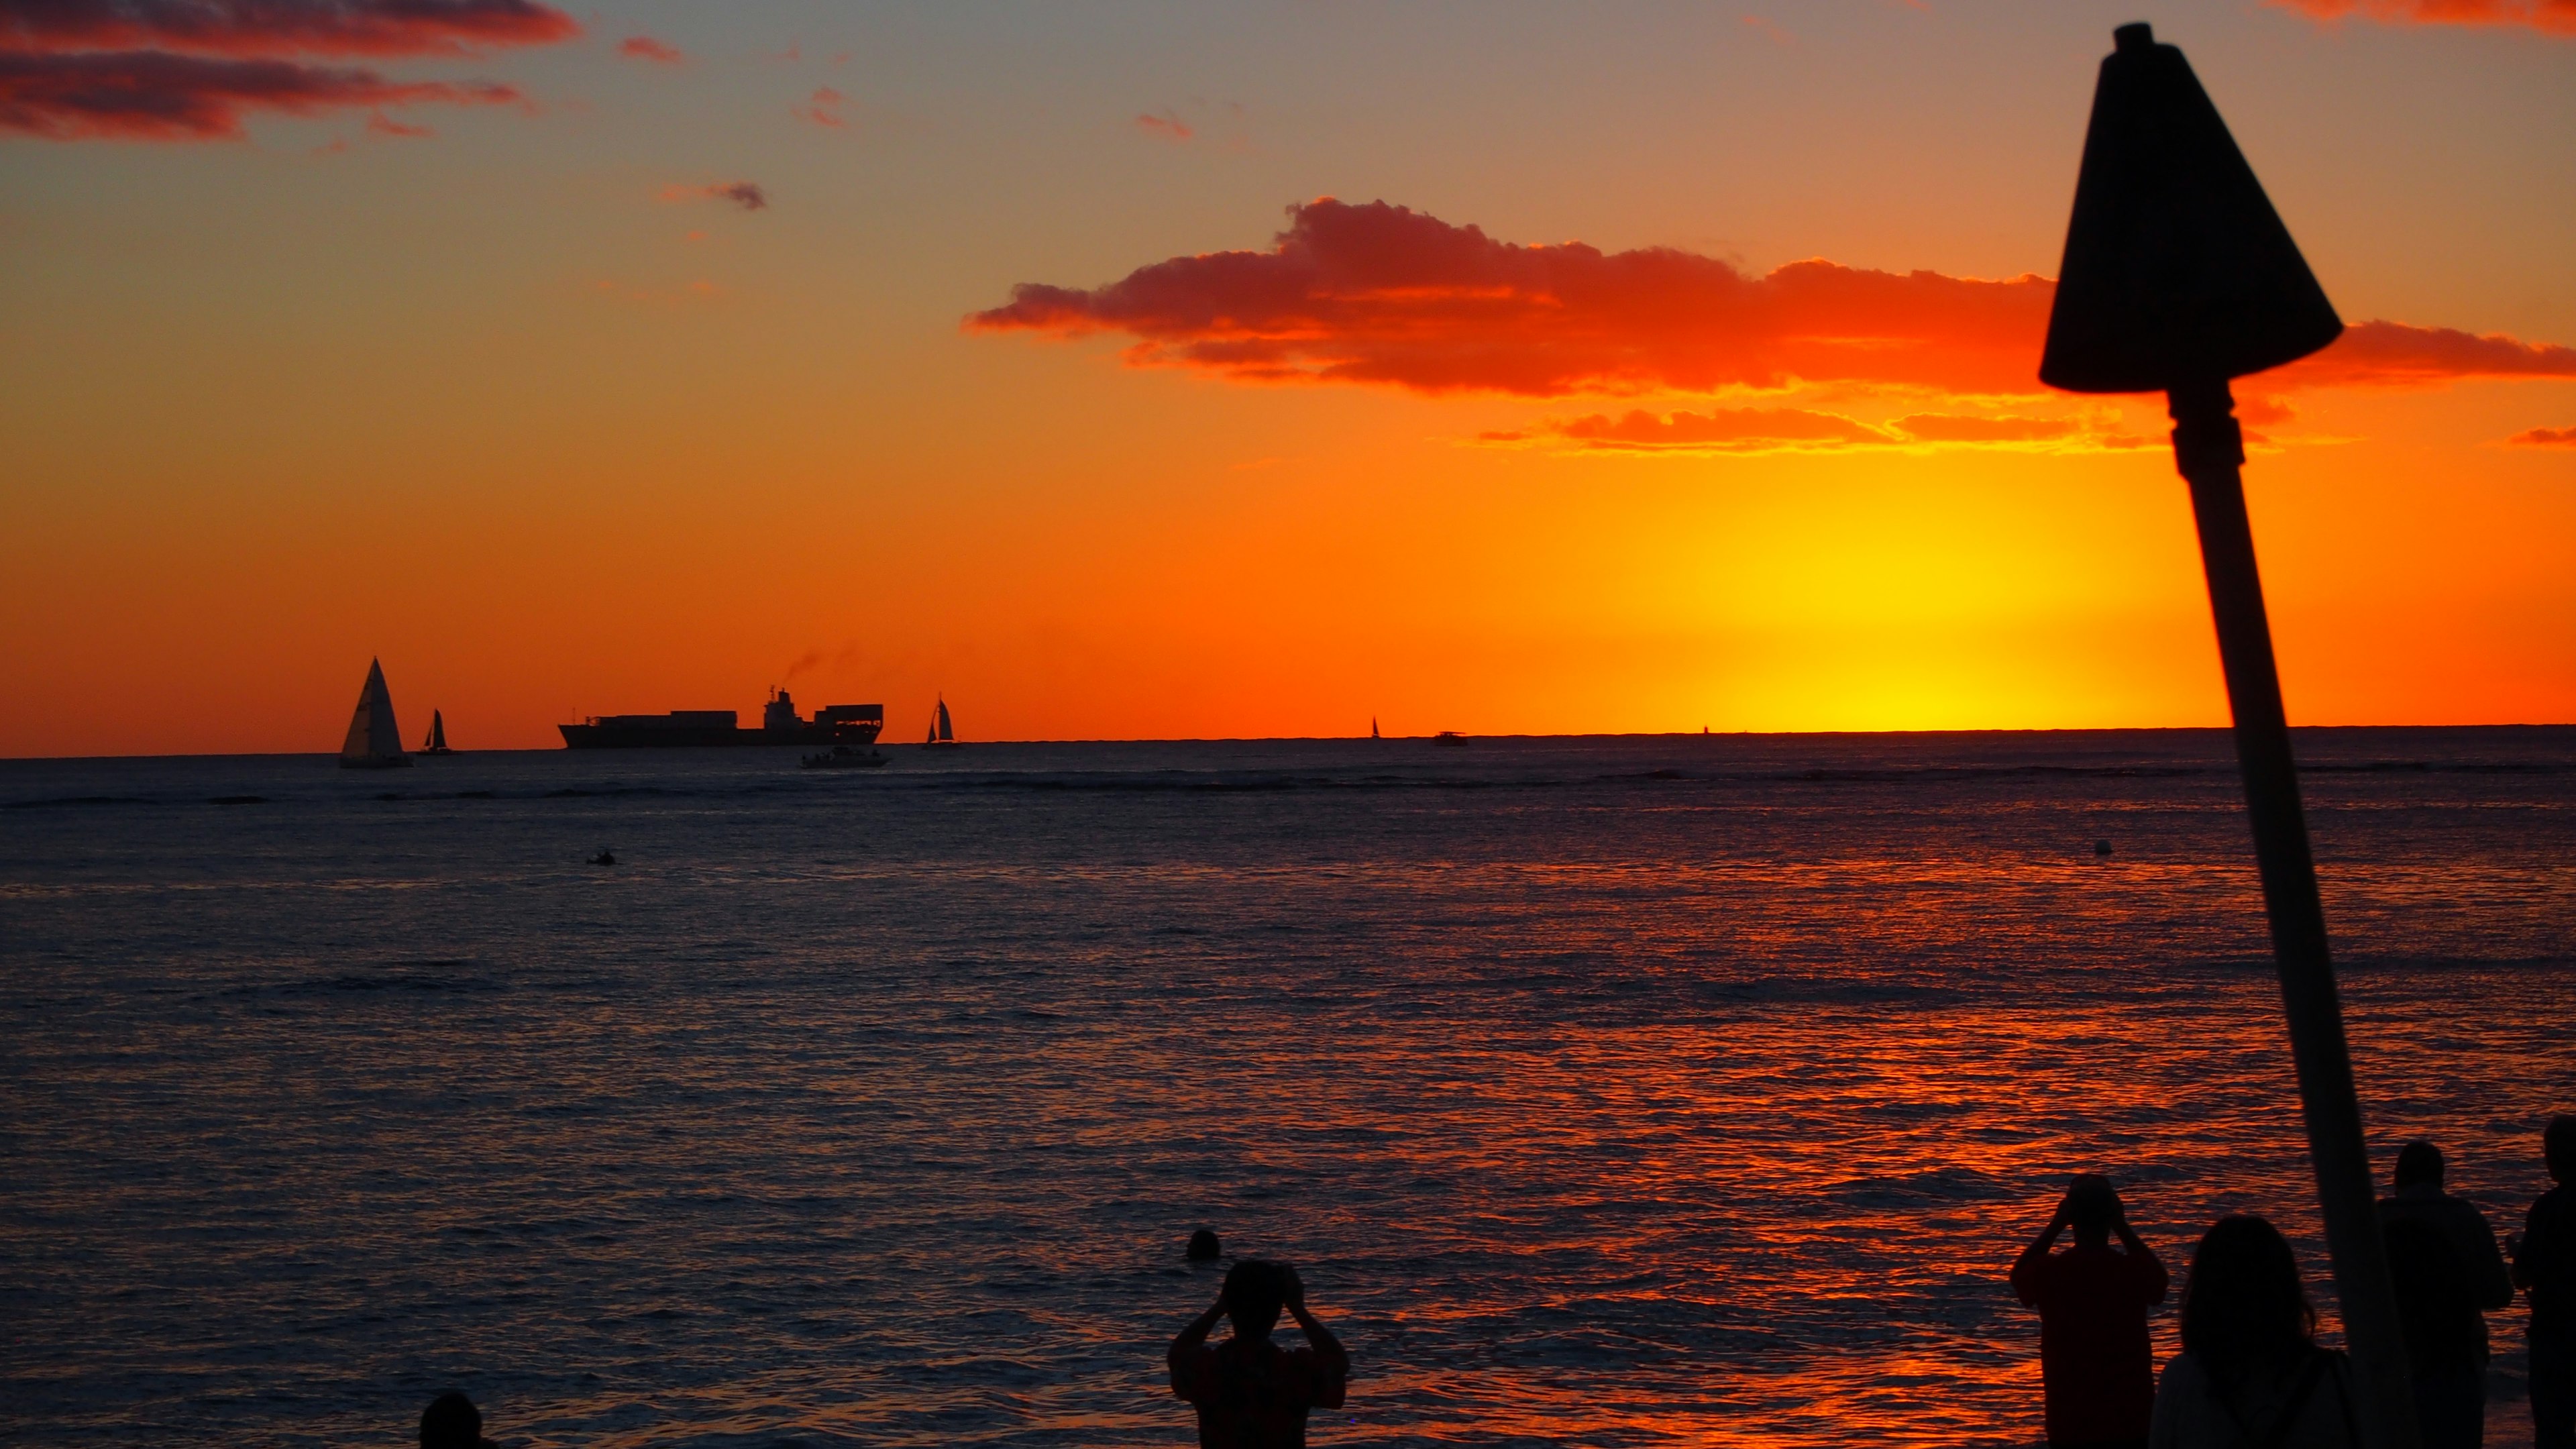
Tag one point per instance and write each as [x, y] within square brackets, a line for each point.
[745, 194]
[2544, 438]
[155, 96]
[190, 70]
[281, 27]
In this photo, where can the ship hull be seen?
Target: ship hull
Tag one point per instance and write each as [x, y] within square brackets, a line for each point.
[691, 737]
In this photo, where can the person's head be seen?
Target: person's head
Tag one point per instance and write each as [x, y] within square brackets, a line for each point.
[2558, 1146]
[2243, 1309]
[451, 1422]
[2092, 1206]
[2419, 1161]
[1256, 1289]
[1204, 1247]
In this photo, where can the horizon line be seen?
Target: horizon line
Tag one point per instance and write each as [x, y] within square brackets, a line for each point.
[1372, 739]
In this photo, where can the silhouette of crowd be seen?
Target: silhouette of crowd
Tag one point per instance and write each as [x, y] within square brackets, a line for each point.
[2251, 1374]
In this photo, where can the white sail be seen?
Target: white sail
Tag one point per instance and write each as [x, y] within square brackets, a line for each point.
[373, 738]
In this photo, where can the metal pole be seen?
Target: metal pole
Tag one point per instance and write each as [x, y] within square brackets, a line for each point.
[2209, 449]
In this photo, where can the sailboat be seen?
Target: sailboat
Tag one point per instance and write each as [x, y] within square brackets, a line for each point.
[437, 736]
[1373, 734]
[374, 742]
[942, 737]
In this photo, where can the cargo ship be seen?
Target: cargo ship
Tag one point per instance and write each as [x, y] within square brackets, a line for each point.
[855, 725]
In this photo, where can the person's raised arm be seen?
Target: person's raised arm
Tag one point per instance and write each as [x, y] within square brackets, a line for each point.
[1189, 1339]
[2025, 1267]
[2152, 1267]
[1328, 1349]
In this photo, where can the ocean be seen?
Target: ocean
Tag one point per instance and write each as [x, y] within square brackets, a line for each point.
[1608, 1091]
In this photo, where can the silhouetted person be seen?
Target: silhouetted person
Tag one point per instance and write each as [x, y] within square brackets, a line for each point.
[2443, 1258]
[452, 1422]
[2544, 1266]
[2250, 1371]
[1204, 1247]
[1250, 1393]
[2096, 1366]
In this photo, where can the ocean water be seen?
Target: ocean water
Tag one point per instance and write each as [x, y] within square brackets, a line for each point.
[1607, 1091]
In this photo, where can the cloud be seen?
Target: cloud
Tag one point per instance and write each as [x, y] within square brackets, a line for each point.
[281, 27]
[823, 108]
[156, 96]
[2544, 438]
[1167, 126]
[645, 47]
[193, 69]
[1775, 429]
[1382, 294]
[2264, 411]
[1720, 429]
[2558, 16]
[746, 194]
[2394, 354]
[1952, 428]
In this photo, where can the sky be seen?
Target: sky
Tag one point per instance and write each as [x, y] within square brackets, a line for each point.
[1143, 370]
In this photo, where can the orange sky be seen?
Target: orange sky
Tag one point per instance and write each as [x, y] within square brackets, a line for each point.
[683, 357]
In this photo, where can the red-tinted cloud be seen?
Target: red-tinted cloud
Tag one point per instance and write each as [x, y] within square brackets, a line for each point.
[1721, 429]
[1164, 126]
[823, 108]
[1382, 294]
[2393, 354]
[193, 69]
[1772, 429]
[2558, 16]
[645, 47]
[153, 95]
[281, 27]
[1952, 428]
[2544, 438]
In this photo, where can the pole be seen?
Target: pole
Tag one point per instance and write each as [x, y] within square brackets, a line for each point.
[2209, 449]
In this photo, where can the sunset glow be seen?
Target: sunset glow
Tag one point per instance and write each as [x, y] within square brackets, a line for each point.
[1259, 372]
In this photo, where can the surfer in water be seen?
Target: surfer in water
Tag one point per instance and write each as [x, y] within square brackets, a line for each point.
[1251, 1393]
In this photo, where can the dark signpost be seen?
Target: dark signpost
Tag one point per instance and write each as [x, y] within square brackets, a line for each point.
[2178, 277]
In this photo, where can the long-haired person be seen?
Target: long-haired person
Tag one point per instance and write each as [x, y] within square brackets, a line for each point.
[2250, 1371]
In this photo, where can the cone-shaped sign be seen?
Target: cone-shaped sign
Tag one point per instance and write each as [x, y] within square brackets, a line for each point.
[2179, 276]
[2177, 269]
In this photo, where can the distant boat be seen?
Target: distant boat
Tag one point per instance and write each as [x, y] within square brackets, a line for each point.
[1448, 737]
[437, 736]
[1373, 734]
[374, 742]
[941, 737]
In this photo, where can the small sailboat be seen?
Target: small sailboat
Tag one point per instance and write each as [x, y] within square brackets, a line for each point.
[1373, 734]
[437, 736]
[942, 736]
[374, 741]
